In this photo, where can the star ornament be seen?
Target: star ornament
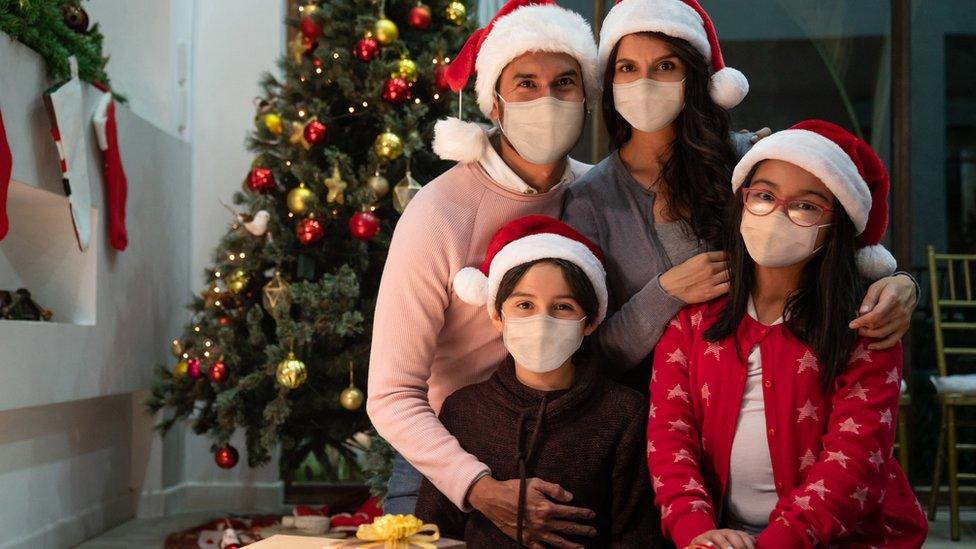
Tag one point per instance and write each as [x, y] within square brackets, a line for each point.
[336, 186]
[297, 136]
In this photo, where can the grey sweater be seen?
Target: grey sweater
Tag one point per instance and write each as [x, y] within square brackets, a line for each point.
[617, 213]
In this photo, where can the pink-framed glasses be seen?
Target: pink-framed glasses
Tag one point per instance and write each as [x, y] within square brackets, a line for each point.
[801, 212]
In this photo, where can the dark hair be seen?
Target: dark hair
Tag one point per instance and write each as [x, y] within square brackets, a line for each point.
[818, 313]
[696, 175]
[578, 282]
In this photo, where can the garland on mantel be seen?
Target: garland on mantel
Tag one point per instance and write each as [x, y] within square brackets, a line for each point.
[57, 29]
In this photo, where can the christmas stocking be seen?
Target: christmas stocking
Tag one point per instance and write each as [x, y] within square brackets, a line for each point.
[115, 182]
[65, 108]
[6, 164]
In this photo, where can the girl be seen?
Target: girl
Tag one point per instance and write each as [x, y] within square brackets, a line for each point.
[656, 204]
[547, 412]
[769, 417]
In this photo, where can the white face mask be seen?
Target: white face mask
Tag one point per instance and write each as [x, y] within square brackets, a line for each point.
[775, 241]
[542, 130]
[542, 343]
[649, 105]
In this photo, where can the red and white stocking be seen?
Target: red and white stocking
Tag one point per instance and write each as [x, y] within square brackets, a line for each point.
[116, 184]
[6, 165]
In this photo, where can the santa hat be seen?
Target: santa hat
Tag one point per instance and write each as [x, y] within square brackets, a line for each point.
[849, 168]
[528, 239]
[684, 19]
[519, 27]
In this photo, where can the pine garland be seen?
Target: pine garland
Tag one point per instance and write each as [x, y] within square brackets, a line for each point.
[38, 24]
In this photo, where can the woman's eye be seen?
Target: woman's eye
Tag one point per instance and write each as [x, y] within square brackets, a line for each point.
[666, 66]
[626, 68]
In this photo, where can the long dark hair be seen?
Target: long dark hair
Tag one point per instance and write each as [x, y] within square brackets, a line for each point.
[818, 313]
[696, 175]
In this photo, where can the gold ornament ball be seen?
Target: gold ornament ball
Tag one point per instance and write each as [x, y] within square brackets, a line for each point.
[181, 368]
[388, 146]
[301, 199]
[352, 398]
[237, 281]
[407, 70]
[456, 13]
[273, 122]
[385, 31]
[378, 184]
[291, 373]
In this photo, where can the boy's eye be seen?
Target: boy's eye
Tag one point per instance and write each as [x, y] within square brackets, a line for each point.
[523, 305]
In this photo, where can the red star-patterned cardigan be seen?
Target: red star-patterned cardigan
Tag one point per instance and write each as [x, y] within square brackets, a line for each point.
[837, 481]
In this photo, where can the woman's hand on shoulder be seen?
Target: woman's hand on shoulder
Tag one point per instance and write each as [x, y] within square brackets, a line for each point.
[886, 311]
[699, 279]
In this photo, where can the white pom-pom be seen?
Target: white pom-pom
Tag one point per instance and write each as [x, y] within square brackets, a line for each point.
[460, 141]
[471, 285]
[728, 87]
[875, 262]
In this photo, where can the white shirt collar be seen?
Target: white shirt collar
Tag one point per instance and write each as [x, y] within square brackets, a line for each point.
[504, 175]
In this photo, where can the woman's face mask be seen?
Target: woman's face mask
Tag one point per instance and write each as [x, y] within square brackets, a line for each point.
[649, 105]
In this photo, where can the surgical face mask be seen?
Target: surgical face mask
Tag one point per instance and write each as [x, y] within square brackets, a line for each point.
[774, 241]
[649, 105]
[542, 130]
[542, 343]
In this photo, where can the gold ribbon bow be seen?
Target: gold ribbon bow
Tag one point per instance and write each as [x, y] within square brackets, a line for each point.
[399, 532]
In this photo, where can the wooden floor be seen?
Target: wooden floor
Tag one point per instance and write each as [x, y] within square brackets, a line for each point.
[150, 533]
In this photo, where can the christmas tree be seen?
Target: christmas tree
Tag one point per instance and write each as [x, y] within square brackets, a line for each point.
[278, 342]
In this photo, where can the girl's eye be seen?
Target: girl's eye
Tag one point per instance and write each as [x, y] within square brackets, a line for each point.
[765, 197]
[805, 206]
[565, 307]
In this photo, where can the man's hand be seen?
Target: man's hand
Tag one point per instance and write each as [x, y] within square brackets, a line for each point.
[544, 518]
[886, 311]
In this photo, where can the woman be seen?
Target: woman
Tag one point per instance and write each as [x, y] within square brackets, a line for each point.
[656, 204]
[547, 412]
[769, 417]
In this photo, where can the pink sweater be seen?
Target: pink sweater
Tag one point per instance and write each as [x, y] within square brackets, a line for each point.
[427, 343]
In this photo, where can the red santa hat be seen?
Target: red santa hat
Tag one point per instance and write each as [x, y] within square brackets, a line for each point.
[519, 27]
[684, 19]
[527, 239]
[849, 168]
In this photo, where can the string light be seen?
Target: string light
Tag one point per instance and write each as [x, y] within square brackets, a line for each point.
[186, 355]
[447, 59]
[206, 354]
[318, 70]
[352, 110]
[291, 214]
[196, 328]
[242, 255]
[365, 104]
[416, 100]
[335, 55]
[208, 343]
[437, 96]
[216, 275]
[232, 257]
[301, 113]
[217, 303]
[287, 162]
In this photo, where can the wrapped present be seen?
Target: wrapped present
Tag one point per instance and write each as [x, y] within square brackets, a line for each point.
[399, 531]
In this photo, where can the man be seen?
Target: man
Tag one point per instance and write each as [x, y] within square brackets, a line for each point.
[536, 71]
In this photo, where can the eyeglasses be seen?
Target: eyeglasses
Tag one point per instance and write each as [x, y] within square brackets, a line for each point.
[762, 202]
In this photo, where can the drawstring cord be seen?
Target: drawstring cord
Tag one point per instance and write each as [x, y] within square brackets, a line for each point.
[524, 456]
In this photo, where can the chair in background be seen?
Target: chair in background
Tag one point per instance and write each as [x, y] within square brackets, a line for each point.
[952, 304]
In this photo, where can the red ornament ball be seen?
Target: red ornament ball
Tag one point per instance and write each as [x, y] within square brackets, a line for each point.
[193, 368]
[311, 29]
[440, 79]
[223, 320]
[217, 371]
[314, 132]
[309, 231]
[366, 49]
[260, 180]
[364, 225]
[396, 91]
[419, 17]
[226, 457]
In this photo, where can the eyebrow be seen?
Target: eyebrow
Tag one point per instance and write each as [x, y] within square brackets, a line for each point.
[776, 187]
[524, 294]
[527, 75]
[658, 60]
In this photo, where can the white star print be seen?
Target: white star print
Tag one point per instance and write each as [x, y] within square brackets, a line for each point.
[714, 349]
[665, 511]
[857, 392]
[839, 457]
[696, 319]
[677, 325]
[694, 486]
[881, 497]
[705, 393]
[650, 447]
[657, 482]
[813, 536]
[678, 356]
[877, 459]
[893, 377]
[783, 519]
[861, 495]
[807, 459]
[886, 416]
[860, 353]
[700, 505]
[653, 375]
[679, 425]
[850, 426]
[840, 525]
[677, 392]
[818, 487]
[807, 362]
[807, 411]
[891, 530]
[683, 454]
[803, 502]
[653, 411]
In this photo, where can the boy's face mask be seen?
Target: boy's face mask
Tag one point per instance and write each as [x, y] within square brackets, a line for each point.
[542, 343]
